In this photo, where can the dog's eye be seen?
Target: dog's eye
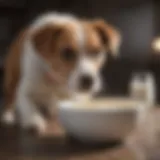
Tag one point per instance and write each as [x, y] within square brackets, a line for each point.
[94, 53]
[68, 54]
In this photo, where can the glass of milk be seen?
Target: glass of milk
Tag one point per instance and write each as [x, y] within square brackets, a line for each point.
[142, 87]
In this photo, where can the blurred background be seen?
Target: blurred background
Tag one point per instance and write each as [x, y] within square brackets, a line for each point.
[138, 21]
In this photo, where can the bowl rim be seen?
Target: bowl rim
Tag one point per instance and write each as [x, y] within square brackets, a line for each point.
[69, 105]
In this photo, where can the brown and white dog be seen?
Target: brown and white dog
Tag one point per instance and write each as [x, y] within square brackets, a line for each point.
[57, 54]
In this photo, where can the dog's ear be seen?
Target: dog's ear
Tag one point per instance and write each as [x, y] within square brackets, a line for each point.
[44, 38]
[110, 36]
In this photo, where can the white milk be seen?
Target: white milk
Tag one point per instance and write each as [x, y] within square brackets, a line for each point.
[143, 88]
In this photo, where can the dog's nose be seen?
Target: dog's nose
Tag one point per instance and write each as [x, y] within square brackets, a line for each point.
[86, 82]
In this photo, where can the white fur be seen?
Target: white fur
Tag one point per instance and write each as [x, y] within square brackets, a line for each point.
[51, 18]
[32, 82]
[8, 117]
[87, 66]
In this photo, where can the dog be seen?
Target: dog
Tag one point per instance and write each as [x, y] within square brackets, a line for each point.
[57, 55]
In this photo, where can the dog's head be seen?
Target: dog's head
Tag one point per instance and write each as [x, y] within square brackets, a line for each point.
[76, 51]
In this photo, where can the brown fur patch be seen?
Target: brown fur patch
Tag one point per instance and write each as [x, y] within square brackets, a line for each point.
[51, 40]
[110, 36]
[12, 69]
[93, 41]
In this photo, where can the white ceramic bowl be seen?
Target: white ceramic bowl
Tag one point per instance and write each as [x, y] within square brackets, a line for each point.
[99, 120]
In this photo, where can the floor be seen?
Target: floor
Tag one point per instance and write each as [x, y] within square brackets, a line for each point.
[16, 144]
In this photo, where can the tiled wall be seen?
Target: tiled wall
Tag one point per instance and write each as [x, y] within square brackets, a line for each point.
[12, 18]
[134, 18]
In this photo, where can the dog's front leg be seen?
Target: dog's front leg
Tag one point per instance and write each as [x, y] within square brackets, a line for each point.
[28, 110]
[54, 127]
